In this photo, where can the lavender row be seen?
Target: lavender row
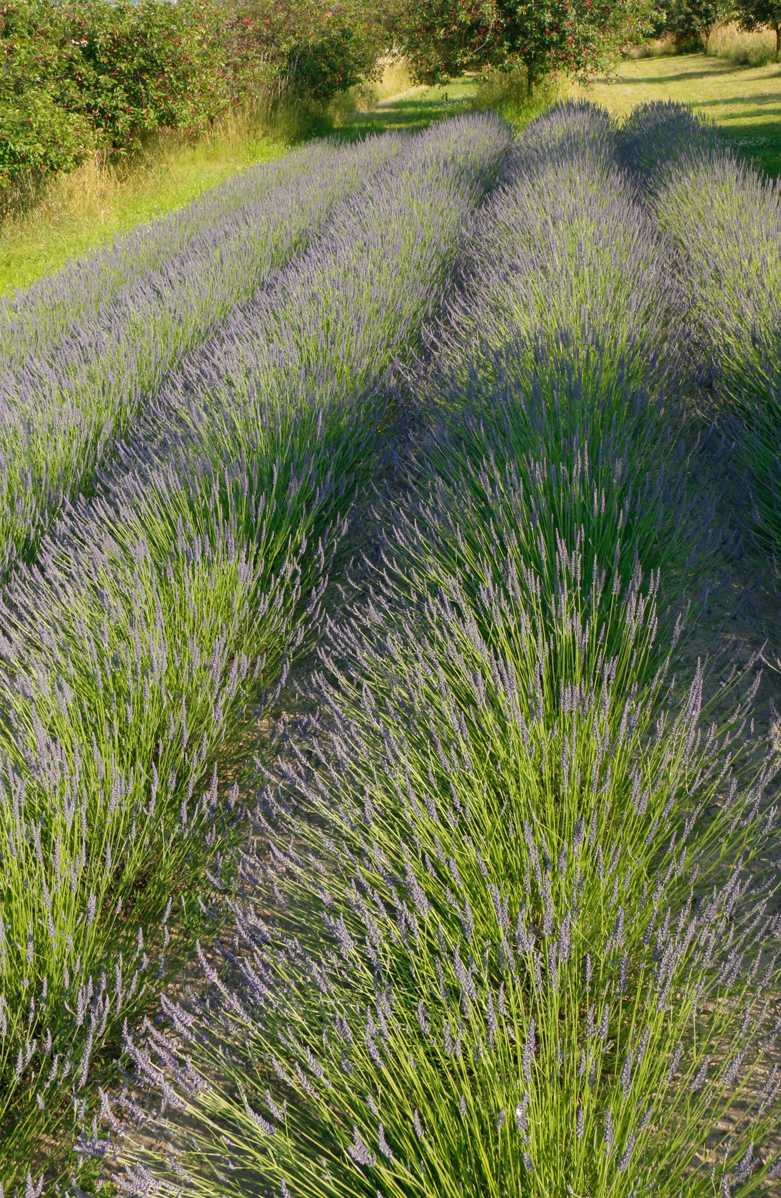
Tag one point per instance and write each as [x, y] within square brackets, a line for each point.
[65, 404]
[502, 876]
[577, 359]
[161, 608]
[725, 219]
[54, 306]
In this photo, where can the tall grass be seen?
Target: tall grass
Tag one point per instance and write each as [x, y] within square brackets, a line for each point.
[741, 47]
[165, 605]
[500, 932]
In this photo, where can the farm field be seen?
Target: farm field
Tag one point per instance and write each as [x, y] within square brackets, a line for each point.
[377, 814]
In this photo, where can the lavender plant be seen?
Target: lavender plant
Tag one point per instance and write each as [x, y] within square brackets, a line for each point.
[161, 606]
[91, 352]
[503, 930]
[55, 306]
[567, 258]
[725, 217]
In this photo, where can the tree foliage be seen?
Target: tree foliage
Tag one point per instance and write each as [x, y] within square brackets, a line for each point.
[92, 74]
[313, 47]
[690, 20]
[445, 37]
[79, 75]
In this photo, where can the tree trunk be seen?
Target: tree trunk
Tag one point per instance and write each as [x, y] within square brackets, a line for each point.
[778, 40]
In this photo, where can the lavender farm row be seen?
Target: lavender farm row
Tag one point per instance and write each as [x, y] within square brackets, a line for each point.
[54, 306]
[725, 218]
[501, 881]
[86, 355]
[162, 607]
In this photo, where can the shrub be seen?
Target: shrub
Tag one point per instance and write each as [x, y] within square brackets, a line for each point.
[40, 127]
[724, 217]
[144, 65]
[165, 603]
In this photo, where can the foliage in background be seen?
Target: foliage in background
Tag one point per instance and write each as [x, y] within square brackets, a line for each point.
[315, 50]
[579, 37]
[39, 126]
[689, 22]
[95, 75]
[99, 74]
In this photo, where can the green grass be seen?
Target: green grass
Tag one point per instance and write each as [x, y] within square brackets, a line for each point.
[744, 101]
[414, 108]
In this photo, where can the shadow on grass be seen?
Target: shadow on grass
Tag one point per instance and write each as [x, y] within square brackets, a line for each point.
[750, 123]
[681, 76]
[755, 131]
[406, 112]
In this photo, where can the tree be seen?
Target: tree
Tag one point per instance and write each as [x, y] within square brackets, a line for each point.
[760, 14]
[315, 47]
[39, 127]
[690, 20]
[442, 38]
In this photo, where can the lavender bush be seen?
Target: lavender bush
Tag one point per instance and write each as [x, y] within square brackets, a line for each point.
[163, 605]
[55, 306]
[506, 927]
[725, 217]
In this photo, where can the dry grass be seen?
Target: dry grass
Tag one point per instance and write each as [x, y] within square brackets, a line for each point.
[744, 49]
[726, 41]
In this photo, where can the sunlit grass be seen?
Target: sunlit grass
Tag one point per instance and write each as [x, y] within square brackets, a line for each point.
[744, 101]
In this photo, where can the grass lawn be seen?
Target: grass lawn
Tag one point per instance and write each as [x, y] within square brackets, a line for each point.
[745, 101]
[413, 108]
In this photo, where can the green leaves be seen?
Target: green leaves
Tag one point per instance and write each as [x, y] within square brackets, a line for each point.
[575, 36]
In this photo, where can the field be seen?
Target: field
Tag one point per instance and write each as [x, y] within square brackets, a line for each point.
[373, 818]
